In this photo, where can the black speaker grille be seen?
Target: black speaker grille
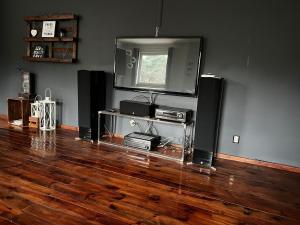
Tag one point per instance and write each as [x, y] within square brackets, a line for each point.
[208, 115]
[91, 99]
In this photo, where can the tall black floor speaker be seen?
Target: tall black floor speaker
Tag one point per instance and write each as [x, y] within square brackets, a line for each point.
[207, 119]
[91, 99]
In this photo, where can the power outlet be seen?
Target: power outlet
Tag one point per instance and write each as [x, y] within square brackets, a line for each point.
[236, 139]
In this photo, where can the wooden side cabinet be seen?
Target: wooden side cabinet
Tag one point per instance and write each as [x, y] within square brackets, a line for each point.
[18, 111]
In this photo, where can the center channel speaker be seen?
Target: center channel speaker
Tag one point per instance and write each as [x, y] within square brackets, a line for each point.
[207, 119]
[91, 99]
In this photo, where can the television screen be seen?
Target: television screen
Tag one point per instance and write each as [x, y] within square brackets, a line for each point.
[166, 65]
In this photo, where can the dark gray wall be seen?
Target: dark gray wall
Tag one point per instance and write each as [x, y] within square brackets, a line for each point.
[254, 44]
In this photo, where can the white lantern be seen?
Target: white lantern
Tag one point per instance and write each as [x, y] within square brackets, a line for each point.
[47, 112]
[35, 111]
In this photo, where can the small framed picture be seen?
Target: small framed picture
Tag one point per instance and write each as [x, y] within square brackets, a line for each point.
[48, 29]
[39, 51]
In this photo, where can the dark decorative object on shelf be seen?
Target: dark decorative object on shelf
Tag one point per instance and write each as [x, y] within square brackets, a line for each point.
[39, 51]
[62, 32]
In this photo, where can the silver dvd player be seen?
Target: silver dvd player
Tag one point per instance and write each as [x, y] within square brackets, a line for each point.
[173, 114]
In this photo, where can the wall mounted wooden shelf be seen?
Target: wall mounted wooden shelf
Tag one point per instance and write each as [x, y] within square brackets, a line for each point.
[51, 17]
[58, 49]
[55, 39]
[54, 60]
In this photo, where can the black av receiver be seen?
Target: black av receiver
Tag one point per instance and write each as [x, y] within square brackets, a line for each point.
[142, 141]
[173, 114]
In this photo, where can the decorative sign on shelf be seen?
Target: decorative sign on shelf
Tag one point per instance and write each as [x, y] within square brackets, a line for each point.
[48, 29]
[39, 51]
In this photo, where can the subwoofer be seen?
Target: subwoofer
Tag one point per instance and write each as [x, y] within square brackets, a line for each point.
[208, 114]
[91, 99]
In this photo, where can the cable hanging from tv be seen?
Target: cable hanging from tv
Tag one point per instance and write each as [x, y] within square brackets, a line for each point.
[148, 100]
[160, 17]
[151, 99]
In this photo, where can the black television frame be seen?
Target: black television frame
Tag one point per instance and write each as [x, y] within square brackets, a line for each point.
[145, 90]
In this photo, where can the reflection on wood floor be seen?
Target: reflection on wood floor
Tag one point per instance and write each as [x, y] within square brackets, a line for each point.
[48, 178]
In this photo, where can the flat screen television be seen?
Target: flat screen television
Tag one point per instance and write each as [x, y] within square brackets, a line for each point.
[168, 65]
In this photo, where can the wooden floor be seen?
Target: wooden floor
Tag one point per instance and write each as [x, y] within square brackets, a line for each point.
[75, 182]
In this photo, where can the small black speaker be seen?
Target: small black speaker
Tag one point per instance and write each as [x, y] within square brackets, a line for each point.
[91, 99]
[208, 114]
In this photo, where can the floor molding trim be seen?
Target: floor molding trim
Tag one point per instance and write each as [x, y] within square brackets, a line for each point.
[69, 127]
[3, 117]
[62, 126]
[257, 162]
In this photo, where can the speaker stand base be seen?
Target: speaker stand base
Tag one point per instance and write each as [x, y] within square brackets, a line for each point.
[203, 169]
[82, 139]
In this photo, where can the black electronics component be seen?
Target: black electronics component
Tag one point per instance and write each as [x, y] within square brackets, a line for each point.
[207, 119]
[143, 141]
[173, 114]
[137, 108]
[91, 99]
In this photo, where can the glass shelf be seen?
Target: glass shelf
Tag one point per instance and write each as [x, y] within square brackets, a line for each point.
[117, 113]
[176, 152]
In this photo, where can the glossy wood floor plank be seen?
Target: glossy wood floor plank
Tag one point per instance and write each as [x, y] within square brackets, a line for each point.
[71, 182]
